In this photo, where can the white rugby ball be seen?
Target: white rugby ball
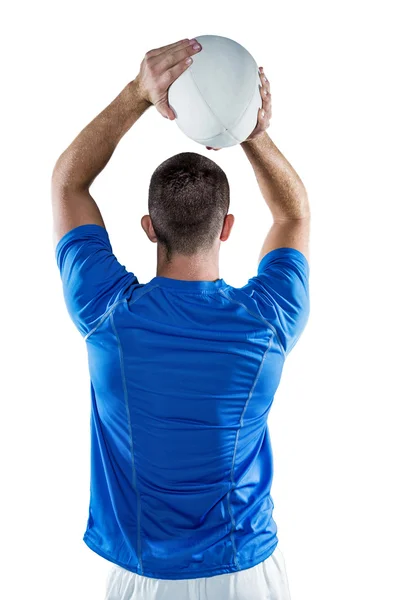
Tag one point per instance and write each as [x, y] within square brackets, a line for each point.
[216, 99]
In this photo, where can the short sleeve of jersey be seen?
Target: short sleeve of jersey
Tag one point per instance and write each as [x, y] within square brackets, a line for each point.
[281, 291]
[92, 278]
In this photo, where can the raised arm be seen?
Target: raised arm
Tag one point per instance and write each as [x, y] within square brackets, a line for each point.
[89, 153]
[280, 185]
[281, 286]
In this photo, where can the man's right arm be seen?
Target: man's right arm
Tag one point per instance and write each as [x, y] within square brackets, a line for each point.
[280, 288]
[285, 194]
[281, 284]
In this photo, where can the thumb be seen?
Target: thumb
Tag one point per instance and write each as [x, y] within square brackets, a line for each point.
[166, 111]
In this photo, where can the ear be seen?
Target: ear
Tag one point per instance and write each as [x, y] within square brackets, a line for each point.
[147, 226]
[227, 227]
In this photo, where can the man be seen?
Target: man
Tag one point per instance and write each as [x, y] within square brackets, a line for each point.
[183, 368]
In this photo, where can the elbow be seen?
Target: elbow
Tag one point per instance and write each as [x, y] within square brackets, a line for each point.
[303, 205]
[64, 178]
[58, 175]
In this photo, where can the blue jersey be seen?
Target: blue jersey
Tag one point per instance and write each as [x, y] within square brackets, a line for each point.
[182, 379]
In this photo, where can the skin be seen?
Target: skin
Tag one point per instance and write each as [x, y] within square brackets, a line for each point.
[90, 151]
[205, 266]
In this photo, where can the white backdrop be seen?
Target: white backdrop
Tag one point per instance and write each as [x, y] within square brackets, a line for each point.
[334, 426]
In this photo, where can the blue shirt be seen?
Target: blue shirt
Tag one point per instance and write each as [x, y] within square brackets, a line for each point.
[182, 379]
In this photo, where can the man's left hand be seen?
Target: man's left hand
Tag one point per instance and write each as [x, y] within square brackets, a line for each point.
[160, 68]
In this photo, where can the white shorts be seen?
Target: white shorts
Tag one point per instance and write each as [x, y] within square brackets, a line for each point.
[265, 581]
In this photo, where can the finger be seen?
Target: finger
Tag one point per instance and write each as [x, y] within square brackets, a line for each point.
[265, 97]
[263, 78]
[261, 125]
[264, 93]
[172, 58]
[165, 109]
[162, 49]
[179, 52]
[261, 122]
[263, 119]
[265, 84]
[267, 104]
[168, 77]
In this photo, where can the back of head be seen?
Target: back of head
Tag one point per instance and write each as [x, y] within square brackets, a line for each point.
[188, 202]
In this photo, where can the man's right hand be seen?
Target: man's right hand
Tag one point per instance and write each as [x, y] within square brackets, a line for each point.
[264, 113]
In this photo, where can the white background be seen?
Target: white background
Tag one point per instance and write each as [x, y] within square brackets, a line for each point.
[334, 425]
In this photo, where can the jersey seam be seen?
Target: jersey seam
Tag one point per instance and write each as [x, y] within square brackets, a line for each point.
[260, 318]
[233, 484]
[144, 291]
[134, 483]
[103, 318]
[112, 307]
[177, 290]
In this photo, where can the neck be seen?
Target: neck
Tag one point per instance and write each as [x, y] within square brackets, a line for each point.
[189, 268]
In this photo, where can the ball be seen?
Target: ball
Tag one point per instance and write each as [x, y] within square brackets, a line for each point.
[216, 99]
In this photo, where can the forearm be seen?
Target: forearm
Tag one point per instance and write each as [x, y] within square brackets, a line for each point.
[88, 154]
[280, 185]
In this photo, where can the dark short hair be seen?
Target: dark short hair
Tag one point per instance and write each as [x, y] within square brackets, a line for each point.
[188, 202]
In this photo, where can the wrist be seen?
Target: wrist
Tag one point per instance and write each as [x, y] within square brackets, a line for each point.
[258, 140]
[138, 93]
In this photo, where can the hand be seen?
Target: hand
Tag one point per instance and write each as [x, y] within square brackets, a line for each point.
[264, 113]
[160, 68]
